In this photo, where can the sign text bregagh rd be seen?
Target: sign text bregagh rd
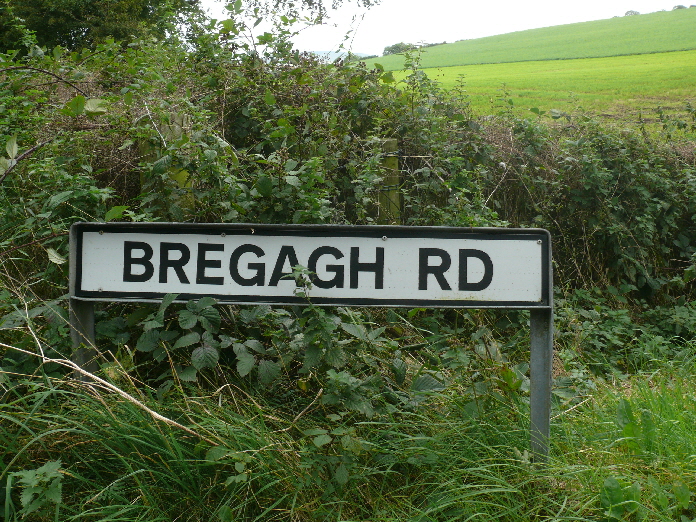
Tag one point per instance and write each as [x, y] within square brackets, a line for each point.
[350, 265]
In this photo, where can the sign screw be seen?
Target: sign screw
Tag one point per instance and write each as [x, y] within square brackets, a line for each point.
[384, 238]
[223, 235]
[101, 232]
[538, 241]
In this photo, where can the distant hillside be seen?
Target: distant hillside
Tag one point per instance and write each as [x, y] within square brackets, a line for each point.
[638, 34]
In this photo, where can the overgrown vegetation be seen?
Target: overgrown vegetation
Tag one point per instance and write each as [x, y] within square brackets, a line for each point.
[207, 412]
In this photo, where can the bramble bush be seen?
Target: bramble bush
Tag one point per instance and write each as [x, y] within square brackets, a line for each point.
[222, 129]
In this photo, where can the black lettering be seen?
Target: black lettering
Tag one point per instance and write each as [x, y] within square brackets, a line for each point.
[259, 277]
[129, 261]
[286, 253]
[464, 283]
[424, 269]
[337, 281]
[202, 263]
[176, 264]
[377, 267]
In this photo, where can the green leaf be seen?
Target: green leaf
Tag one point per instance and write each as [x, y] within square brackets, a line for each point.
[682, 494]
[322, 440]
[188, 374]
[161, 166]
[226, 514]
[399, 368]
[216, 453]
[115, 213]
[187, 340]
[167, 300]
[75, 107]
[209, 319]
[255, 345]
[5, 165]
[264, 185]
[314, 431]
[268, 371]
[611, 494]
[148, 341]
[341, 475]
[205, 302]
[624, 414]
[269, 98]
[293, 181]
[187, 319]
[204, 357]
[356, 330]
[95, 106]
[245, 361]
[55, 257]
[59, 198]
[11, 147]
[426, 383]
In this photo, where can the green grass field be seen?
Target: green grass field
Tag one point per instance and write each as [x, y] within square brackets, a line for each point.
[613, 85]
[649, 33]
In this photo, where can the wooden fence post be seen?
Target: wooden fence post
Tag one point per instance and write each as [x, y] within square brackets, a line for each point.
[389, 197]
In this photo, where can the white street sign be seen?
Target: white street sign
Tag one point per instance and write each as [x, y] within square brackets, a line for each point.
[380, 266]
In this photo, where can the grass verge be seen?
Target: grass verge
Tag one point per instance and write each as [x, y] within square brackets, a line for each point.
[625, 453]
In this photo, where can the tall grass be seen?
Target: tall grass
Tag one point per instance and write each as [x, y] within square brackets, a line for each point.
[442, 462]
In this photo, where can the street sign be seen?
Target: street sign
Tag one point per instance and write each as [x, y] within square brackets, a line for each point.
[348, 265]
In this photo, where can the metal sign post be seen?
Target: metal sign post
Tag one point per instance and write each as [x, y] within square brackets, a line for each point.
[384, 266]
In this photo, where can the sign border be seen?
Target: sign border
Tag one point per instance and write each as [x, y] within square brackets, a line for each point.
[367, 231]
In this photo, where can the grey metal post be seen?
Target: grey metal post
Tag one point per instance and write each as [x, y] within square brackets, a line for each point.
[83, 336]
[540, 376]
[81, 320]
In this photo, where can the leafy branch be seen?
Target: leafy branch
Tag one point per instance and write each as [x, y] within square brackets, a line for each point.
[44, 71]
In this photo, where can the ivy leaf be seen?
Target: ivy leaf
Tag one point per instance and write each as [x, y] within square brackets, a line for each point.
[268, 371]
[187, 340]
[204, 357]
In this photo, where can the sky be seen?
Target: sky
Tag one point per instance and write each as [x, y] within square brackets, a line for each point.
[435, 21]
